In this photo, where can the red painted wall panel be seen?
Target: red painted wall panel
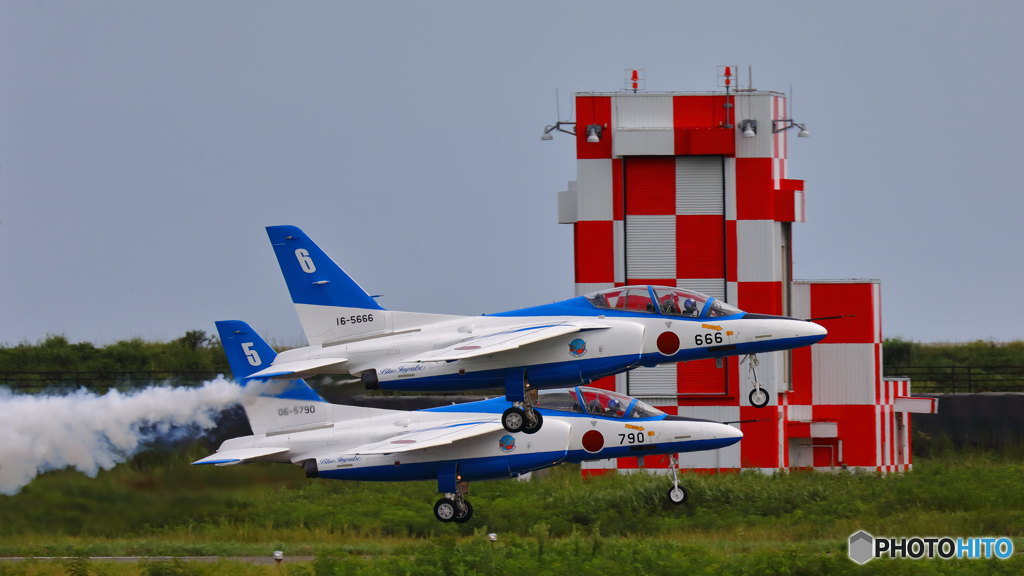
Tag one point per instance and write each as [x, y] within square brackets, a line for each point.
[606, 383]
[594, 246]
[701, 377]
[628, 463]
[701, 112]
[841, 299]
[826, 453]
[699, 126]
[715, 397]
[760, 445]
[785, 206]
[802, 377]
[700, 247]
[755, 189]
[593, 110]
[856, 426]
[760, 297]
[650, 185]
[790, 184]
[705, 142]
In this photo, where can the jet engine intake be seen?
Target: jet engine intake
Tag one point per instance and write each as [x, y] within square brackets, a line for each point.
[311, 469]
[369, 379]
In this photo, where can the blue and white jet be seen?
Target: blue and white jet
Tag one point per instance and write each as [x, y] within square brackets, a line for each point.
[454, 444]
[572, 342]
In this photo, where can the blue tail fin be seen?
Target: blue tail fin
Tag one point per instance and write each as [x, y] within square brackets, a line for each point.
[248, 353]
[311, 275]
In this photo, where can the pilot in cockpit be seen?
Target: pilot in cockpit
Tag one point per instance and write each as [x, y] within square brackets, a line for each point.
[670, 305]
[690, 307]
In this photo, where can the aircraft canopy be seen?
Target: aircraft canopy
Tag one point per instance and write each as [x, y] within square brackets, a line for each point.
[595, 402]
[663, 300]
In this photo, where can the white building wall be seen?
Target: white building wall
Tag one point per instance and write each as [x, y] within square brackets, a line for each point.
[594, 189]
[800, 303]
[657, 381]
[759, 107]
[619, 242]
[843, 373]
[699, 186]
[757, 251]
[729, 173]
[710, 286]
[643, 126]
[648, 253]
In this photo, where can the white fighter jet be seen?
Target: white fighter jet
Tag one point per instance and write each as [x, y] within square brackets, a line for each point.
[453, 444]
[555, 345]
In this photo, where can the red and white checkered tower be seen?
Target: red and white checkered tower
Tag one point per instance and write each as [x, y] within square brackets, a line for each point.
[692, 190]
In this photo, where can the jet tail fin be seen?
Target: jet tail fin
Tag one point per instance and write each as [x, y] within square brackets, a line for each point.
[274, 405]
[330, 304]
[311, 275]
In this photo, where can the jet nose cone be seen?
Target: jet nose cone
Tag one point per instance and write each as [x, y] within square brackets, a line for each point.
[731, 432]
[720, 431]
[812, 330]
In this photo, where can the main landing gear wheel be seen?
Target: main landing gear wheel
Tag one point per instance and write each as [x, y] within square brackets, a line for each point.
[677, 494]
[463, 516]
[533, 422]
[517, 419]
[522, 416]
[758, 397]
[444, 510]
[448, 510]
[513, 419]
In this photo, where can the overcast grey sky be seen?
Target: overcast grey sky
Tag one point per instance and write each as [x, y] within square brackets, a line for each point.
[144, 147]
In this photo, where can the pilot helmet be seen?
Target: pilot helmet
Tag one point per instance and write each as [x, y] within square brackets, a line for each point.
[689, 305]
[614, 404]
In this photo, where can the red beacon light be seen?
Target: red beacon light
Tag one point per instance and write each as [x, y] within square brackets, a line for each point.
[634, 79]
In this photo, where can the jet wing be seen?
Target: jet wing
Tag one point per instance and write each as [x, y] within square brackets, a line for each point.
[505, 340]
[296, 369]
[432, 437]
[239, 456]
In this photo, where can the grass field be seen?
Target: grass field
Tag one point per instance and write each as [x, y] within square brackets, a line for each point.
[794, 523]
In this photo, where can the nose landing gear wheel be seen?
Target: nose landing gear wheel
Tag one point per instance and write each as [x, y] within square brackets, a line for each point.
[677, 494]
[758, 397]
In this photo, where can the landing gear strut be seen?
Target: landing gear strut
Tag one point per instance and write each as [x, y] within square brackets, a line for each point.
[454, 507]
[677, 494]
[758, 396]
[522, 416]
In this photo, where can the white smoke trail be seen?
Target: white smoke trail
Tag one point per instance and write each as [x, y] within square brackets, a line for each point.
[91, 432]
